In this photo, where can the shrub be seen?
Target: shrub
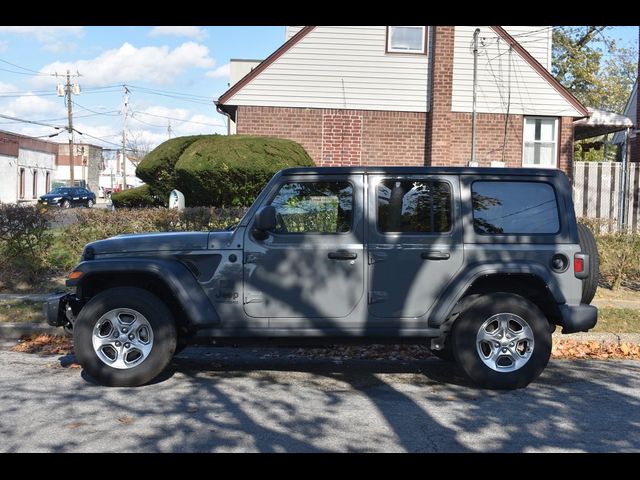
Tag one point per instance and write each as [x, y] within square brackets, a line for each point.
[619, 253]
[139, 197]
[218, 170]
[24, 240]
[98, 224]
[232, 170]
[158, 167]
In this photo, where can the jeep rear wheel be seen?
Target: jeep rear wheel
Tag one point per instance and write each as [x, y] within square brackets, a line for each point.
[502, 341]
[124, 337]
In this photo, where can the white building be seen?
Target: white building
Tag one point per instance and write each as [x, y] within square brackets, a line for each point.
[27, 167]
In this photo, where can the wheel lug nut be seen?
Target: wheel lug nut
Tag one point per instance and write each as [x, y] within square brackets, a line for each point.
[127, 345]
[118, 344]
[131, 336]
[504, 350]
[511, 344]
[125, 330]
[497, 345]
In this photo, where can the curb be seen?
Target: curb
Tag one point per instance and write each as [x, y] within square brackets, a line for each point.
[13, 331]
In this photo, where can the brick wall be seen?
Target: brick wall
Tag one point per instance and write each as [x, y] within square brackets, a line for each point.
[490, 140]
[303, 125]
[439, 136]
[565, 147]
[343, 137]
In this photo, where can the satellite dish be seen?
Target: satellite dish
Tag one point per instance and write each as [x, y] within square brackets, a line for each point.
[176, 200]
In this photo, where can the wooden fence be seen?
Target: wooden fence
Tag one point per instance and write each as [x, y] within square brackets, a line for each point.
[596, 193]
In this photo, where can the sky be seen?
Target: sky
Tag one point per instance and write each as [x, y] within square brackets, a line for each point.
[173, 73]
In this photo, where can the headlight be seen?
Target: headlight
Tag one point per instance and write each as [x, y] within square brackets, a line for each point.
[55, 199]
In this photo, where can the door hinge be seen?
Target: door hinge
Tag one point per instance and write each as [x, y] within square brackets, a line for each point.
[377, 257]
[378, 297]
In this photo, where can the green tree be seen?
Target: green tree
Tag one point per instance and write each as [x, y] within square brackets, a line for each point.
[599, 72]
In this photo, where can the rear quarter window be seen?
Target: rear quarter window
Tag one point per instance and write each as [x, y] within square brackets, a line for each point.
[525, 208]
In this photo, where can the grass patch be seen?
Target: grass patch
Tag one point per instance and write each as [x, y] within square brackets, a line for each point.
[21, 311]
[618, 320]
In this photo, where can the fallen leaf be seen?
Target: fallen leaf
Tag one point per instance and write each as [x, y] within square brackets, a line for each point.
[126, 419]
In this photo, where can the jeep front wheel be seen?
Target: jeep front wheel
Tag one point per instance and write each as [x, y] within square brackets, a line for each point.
[502, 341]
[124, 337]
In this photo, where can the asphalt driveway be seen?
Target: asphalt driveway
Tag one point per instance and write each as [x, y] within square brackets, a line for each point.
[271, 400]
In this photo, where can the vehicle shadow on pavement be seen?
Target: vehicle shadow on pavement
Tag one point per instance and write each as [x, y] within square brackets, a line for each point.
[261, 400]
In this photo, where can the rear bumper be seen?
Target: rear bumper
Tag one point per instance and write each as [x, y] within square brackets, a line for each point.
[578, 318]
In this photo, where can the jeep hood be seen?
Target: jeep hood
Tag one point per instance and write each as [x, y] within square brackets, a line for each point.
[158, 242]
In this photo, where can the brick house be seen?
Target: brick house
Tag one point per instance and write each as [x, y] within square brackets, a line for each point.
[389, 95]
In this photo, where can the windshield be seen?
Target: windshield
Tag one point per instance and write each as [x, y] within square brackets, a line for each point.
[59, 191]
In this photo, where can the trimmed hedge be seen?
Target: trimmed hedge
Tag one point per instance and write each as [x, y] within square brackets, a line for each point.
[139, 197]
[218, 170]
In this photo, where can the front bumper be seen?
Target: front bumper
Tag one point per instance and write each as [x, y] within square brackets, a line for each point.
[578, 318]
[56, 309]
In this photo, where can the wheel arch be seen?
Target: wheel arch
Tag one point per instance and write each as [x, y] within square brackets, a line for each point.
[532, 282]
[169, 280]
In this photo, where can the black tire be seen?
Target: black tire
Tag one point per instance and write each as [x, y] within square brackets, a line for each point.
[588, 245]
[464, 341]
[66, 204]
[162, 325]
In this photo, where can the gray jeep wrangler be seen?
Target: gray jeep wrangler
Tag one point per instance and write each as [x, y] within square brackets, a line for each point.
[481, 264]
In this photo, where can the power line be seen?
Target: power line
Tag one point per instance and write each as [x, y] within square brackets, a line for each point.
[203, 97]
[23, 68]
[32, 122]
[176, 119]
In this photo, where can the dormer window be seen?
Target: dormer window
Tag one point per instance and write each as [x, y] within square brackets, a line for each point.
[406, 40]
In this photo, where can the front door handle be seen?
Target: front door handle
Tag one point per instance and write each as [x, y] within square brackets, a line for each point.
[435, 256]
[343, 255]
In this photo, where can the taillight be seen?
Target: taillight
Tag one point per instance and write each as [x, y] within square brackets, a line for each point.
[578, 264]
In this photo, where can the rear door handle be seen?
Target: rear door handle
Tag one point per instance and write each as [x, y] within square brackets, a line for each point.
[343, 255]
[435, 256]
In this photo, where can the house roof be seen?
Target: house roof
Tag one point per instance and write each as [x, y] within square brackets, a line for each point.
[264, 64]
[526, 56]
[544, 73]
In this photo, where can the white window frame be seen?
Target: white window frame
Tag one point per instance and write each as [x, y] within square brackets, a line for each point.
[555, 141]
[423, 42]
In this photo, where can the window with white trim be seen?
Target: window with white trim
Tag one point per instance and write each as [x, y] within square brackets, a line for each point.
[406, 39]
[540, 142]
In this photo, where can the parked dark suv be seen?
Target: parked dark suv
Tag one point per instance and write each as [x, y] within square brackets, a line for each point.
[66, 197]
[481, 264]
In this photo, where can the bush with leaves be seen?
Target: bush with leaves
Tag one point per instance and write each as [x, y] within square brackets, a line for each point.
[139, 197]
[218, 170]
[98, 224]
[24, 240]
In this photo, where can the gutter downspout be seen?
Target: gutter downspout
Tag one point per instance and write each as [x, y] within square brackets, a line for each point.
[622, 201]
[475, 88]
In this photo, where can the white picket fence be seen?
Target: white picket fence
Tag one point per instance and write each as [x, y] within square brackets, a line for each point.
[596, 193]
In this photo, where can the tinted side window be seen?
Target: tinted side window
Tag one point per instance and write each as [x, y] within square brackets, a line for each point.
[514, 208]
[314, 207]
[406, 206]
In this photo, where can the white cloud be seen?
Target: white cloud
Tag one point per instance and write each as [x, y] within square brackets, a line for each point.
[49, 37]
[7, 87]
[31, 107]
[177, 31]
[159, 65]
[221, 72]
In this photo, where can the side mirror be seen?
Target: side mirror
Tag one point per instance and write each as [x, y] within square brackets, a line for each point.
[264, 220]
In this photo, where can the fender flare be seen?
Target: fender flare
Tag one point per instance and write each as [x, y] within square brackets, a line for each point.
[465, 280]
[177, 277]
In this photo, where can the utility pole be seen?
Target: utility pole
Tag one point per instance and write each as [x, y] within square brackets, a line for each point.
[124, 139]
[169, 129]
[475, 88]
[67, 90]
